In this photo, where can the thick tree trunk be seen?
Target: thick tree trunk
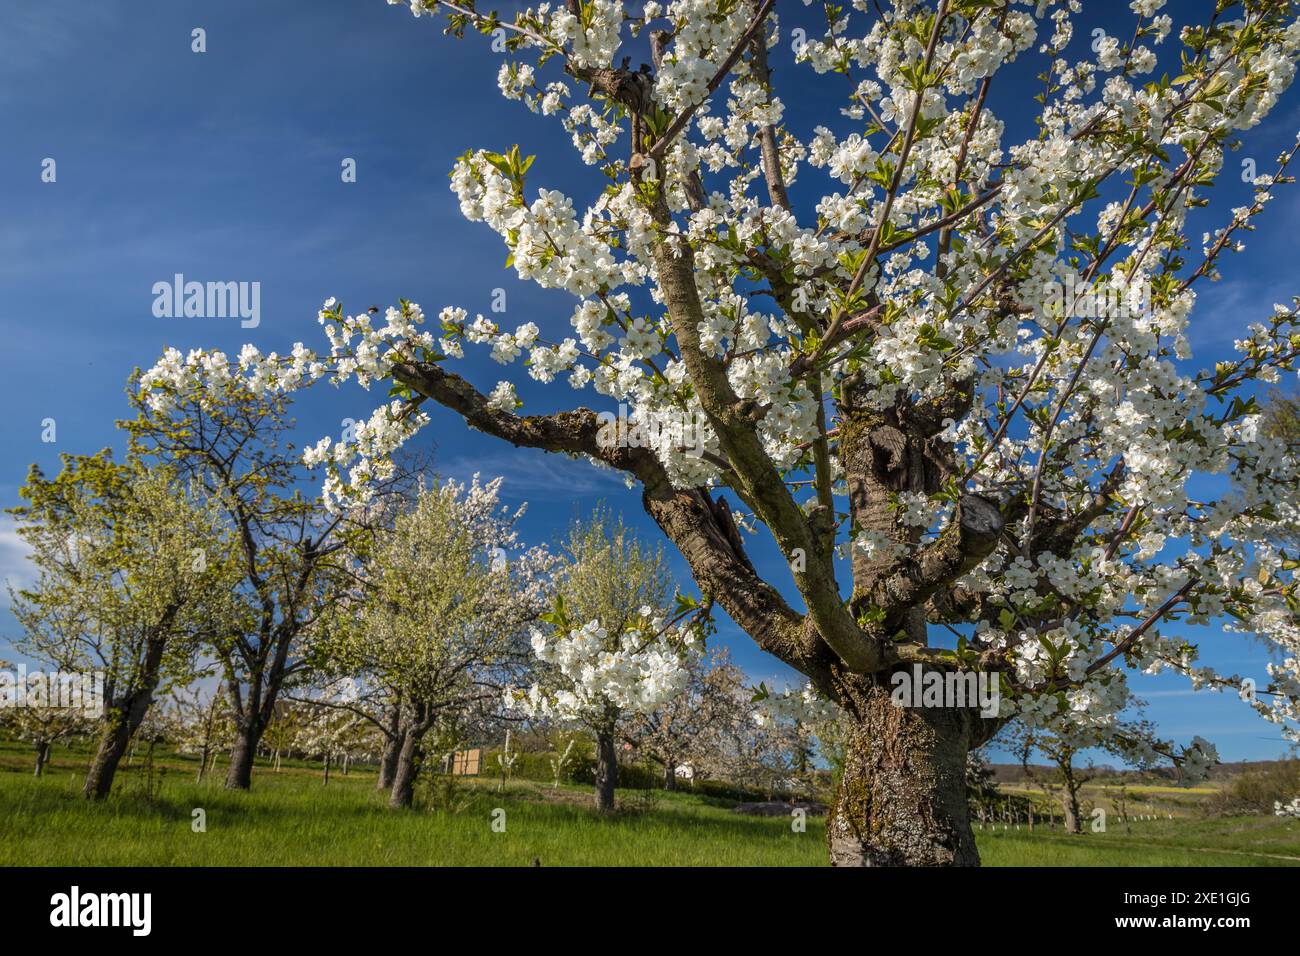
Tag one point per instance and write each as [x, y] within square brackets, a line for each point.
[405, 770]
[126, 707]
[670, 775]
[902, 801]
[388, 762]
[103, 767]
[263, 669]
[120, 724]
[239, 775]
[606, 771]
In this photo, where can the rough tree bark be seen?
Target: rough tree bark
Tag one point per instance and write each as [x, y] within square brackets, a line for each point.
[902, 800]
[123, 716]
[239, 775]
[917, 757]
[416, 720]
[388, 764]
[113, 744]
[606, 770]
[405, 771]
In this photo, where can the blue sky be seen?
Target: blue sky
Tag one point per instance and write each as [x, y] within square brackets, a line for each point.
[225, 166]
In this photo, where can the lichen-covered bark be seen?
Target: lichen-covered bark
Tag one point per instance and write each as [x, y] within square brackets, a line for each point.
[902, 800]
[885, 453]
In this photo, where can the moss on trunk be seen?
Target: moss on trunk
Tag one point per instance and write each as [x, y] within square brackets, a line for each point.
[902, 800]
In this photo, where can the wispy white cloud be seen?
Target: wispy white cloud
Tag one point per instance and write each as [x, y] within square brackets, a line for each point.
[15, 569]
[534, 474]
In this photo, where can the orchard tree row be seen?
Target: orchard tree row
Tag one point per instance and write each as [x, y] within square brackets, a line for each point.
[230, 614]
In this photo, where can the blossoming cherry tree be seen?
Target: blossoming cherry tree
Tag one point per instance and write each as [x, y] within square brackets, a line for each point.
[948, 372]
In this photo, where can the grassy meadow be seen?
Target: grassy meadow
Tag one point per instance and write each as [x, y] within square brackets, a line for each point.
[293, 818]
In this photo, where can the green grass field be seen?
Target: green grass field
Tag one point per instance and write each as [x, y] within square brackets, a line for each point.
[291, 819]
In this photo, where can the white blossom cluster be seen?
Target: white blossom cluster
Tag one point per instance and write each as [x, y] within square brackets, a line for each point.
[799, 705]
[635, 672]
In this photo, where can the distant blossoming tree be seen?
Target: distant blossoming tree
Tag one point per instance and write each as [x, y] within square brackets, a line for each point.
[610, 652]
[678, 734]
[957, 360]
[40, 724]
[205, 724]
[439, 623]
[229, 437]
[134, 576]
[1131, 740]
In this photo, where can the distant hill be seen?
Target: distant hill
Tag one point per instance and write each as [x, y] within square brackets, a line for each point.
[1015, 773]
